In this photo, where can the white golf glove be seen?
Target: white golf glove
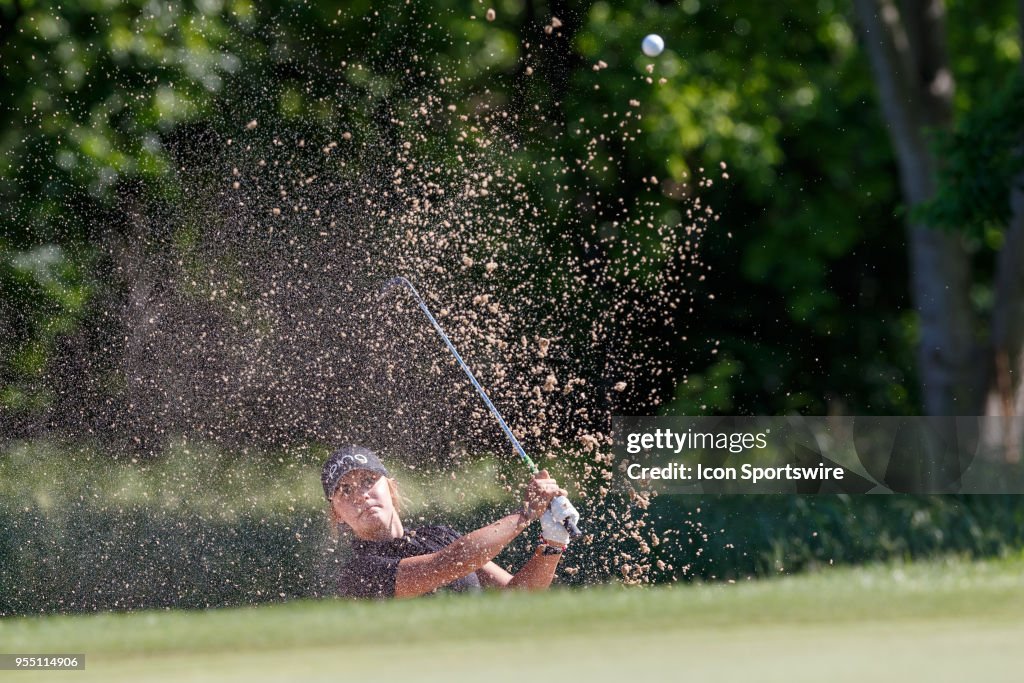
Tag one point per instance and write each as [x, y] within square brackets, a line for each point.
[552, 523]
[553, 532]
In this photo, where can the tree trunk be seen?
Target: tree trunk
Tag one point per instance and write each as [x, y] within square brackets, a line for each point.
[1004, 397]
[907, 49]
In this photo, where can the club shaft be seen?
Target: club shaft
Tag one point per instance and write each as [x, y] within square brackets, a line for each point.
[465, 368]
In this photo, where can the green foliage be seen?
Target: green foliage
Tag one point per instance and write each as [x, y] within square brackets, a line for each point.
[53, 290]
[806, 245]
[807, 259]
[982, 161]
[92, 87]
[735, 537]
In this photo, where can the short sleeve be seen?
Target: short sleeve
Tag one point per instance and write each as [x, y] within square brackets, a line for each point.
[369, 576]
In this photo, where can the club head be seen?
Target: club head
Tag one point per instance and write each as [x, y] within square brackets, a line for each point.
[394, 282]
[398, 281]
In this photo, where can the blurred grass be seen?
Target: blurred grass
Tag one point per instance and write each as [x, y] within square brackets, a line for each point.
[211, 482]
[947, 621]
[198, 527]
[203, 527]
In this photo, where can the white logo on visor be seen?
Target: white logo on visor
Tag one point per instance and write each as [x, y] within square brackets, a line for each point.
[345, 460]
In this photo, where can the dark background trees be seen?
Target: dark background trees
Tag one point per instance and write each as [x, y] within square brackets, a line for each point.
[824, 113]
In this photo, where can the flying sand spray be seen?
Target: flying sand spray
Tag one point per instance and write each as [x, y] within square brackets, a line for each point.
[562, 510]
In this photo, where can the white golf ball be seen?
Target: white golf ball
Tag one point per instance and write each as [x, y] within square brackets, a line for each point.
[652, 45]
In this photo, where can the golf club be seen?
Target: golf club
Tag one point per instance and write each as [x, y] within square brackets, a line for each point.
[559, 504]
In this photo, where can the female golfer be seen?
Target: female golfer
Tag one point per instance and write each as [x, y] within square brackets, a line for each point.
[392, 561]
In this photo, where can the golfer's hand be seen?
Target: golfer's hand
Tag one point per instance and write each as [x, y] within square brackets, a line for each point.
[553, 531]
[539, 492]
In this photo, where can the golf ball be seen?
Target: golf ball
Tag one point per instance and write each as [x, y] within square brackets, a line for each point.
[652, 45]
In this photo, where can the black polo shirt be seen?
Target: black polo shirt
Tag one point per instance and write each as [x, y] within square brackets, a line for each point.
[371, 574]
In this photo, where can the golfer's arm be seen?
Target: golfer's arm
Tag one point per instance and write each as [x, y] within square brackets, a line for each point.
[537, 573]
[424, 573]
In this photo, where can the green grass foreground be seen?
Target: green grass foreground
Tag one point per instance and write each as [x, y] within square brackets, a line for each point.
[948, 621]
